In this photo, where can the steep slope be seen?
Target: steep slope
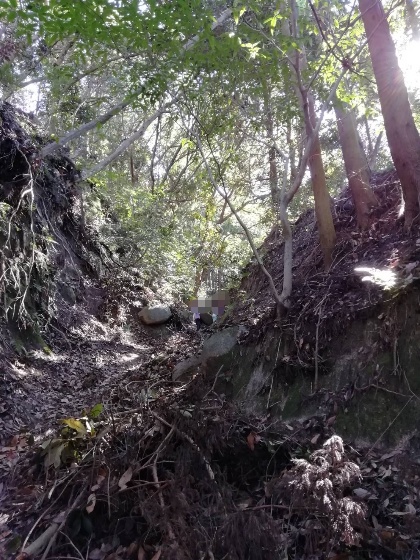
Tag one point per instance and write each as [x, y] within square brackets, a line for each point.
[105, 456]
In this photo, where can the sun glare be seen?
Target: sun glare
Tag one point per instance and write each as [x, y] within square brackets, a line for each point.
[409, 61]
[384, 278]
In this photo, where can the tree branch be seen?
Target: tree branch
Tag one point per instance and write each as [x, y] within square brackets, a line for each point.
[72, 135]
[126, 143]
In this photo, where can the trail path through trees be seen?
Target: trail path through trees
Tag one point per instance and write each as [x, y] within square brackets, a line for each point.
[99, 364]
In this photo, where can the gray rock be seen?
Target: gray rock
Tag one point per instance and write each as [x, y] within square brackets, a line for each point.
[220, 343]
[186, 369]
[66, 292]
[156, 315]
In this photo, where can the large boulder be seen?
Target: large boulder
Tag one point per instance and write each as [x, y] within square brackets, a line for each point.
[217, 351]
[220, 343]
[155, 315]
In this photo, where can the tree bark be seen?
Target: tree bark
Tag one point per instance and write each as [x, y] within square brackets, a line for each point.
[373, 155]
[356, 165]
[272, 152]
[402, 134]
[323, 213]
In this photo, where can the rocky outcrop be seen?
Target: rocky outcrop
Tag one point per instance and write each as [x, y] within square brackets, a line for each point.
[216, 352]
[220, 343]
[368, 381]
[155, 315]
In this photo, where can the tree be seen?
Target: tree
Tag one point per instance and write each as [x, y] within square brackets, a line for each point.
[402, 134]
[306, 98]
[356, 165]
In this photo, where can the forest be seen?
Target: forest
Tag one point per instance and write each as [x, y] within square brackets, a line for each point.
[209, 279]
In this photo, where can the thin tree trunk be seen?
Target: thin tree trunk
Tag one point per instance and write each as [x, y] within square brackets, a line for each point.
[403, 137]
[272, 152]
[248, 235]
[412, 19]
[356, 165]
[125, 144]
[132, 170]
[374, 153]
[323, 213]
[288, 243]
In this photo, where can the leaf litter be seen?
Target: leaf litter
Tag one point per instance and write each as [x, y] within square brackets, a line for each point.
[104, 457]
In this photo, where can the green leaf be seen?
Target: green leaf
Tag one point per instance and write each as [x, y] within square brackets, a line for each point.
[76, 425]
[96, 411]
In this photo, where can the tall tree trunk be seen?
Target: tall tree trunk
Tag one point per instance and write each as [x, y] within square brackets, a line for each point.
[356, 164]
[412, 19]
[323, 213]
[373, 155]
[403, 137]
[272, 152]
[373, 149]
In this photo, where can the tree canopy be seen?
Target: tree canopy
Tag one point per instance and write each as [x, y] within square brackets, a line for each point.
[194, 122]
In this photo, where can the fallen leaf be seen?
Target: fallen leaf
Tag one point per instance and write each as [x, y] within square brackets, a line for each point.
[126, 477]
[251, 440]
[361, 492]
[53, 455]
[96, 554]
[100, 553]
[411, 509]
[99, 481]
[96, 410]
[91, 503]
[375, 523]
[411, 266]
[315, 438]
[386, 535]
[388, 455]
[157, 555]
[245, 504]
[141, 555]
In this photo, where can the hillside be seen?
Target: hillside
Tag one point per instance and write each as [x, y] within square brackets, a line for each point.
[105, 456]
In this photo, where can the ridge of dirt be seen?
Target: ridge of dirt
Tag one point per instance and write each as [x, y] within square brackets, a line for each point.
[368, 267]
[175, 471]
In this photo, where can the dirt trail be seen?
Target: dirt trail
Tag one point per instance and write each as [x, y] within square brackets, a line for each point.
[94, 362]
[180, 473]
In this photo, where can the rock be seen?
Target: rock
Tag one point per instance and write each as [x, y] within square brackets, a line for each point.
[66, 292]
[186, 369]
[156, 315]
[185, 314]
[206, 318]
[220, 343]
